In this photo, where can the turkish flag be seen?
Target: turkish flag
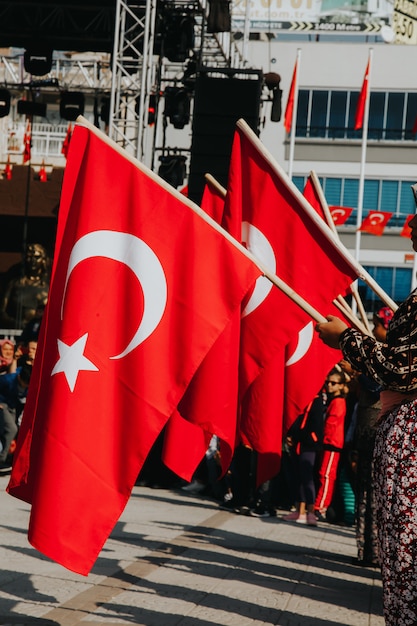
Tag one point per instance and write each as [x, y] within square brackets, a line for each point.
[66, 142]
[138, 297]
[212, 200]
[375, 222]
[406, 230]
[8, 170]
[27, 142]
[289, 109]
[340, 214]
[363, 96]
[43, 177]
[308, 359]
[289, 241]
[310, 193]
[203, 412]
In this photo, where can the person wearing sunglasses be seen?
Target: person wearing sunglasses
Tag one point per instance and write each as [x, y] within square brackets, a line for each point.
[333, 440]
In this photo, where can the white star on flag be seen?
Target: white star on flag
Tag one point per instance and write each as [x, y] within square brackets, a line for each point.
[72, 360]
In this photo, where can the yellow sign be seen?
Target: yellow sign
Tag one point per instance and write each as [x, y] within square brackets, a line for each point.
[404, 22]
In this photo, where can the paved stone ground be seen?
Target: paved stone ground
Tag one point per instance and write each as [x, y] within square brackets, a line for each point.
[176, 559]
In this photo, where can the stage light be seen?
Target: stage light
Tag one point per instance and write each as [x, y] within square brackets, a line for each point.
[172, 169]
[71, 105]
[272, 81]
[27, 107]
[177, 106]
[37, 60]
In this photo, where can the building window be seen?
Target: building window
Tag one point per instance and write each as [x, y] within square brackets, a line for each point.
[324, 113]
[395, 281]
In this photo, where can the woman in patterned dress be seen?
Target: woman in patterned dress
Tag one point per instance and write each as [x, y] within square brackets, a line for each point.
[393, 365]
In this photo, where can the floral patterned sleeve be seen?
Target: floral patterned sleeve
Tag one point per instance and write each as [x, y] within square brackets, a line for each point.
[393, 364]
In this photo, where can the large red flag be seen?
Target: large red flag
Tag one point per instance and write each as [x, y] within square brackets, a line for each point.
[27, 142]
[138, 297]
[289, 109]
[287, 240]
[308, 359]
[212, 200]
[312, 196]
[360, 107]
[209, 405]
[374, 223]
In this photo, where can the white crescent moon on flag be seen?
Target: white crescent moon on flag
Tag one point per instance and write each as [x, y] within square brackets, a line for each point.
[258, 244]
[376, 218]
[141, 259]
[305, 337]
[335, 213]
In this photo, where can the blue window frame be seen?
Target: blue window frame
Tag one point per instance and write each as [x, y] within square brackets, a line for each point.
[331, 113]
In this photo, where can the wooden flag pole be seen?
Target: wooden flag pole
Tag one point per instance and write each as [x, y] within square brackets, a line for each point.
[212, 181]
[327, 232]
[330, 222]
[349, 314]
[299, 300]
[323, 202]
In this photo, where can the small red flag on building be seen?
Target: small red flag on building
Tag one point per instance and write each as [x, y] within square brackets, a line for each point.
[66, 143]
[289, 109]
[8, 169]
[360, 107]
[43, 177]
[375, 222]
[27, 142]
[340, 214]
[406, 230]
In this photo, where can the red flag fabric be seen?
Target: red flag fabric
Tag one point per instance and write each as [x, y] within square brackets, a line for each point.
[414, 129]
[289, 109]
[308, 359]
[8, 170]
[340, 214]
[212, 201]
[137, 299]
[406, 230]
[66, 142]
[375, 222]
[27, 142]
[43, 177]
[310, 193]
[202, 413]
[360, 107]
[277, 229]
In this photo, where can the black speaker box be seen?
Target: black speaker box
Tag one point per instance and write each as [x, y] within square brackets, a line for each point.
[218, 104]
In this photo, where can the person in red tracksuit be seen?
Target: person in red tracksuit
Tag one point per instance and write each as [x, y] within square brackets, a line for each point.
[333, 440]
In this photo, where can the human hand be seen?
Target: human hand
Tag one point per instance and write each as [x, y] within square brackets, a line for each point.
[330, 331]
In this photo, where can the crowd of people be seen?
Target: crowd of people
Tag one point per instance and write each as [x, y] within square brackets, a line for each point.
[327, 462]
[16, 361]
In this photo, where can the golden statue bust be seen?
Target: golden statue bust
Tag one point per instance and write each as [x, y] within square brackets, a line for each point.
[27, 290]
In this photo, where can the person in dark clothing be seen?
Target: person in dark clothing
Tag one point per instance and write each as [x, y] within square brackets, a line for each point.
[13, 391]
[305, 438]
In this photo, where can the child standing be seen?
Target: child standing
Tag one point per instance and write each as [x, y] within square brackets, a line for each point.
[333, 440]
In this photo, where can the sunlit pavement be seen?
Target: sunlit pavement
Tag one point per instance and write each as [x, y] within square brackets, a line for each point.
[175, 558]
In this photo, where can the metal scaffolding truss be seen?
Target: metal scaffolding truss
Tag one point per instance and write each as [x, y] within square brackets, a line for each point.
[141, 69]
